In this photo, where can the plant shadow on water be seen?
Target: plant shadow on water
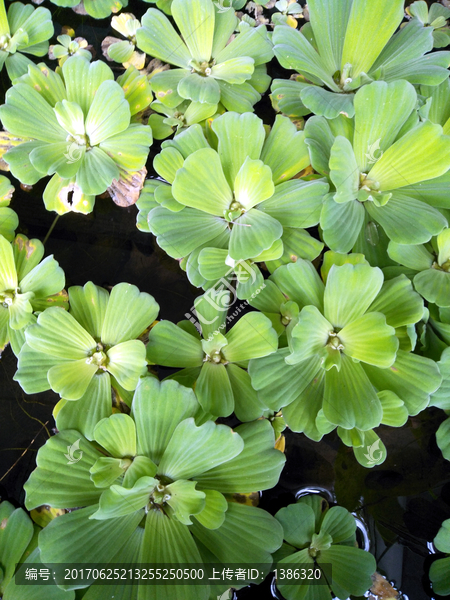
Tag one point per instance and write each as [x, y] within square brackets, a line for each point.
[403, 501]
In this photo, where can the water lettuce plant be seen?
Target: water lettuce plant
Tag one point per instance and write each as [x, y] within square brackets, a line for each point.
[210, 67]
[347, 44]
[383, 163]
[316, 535]
[436, 18]
[158, 486]
[215, 362]
[28, 286]
[349, 362]
[8, 217]
[440, 569]
[23, 30]
[68, 47]
[81, 353]
[165, 120]
[80, 129]
[237, 198]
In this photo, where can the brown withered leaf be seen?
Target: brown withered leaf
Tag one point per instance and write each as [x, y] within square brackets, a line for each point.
[127, 190]
[8, 141]
[381, 589]
[107, 42]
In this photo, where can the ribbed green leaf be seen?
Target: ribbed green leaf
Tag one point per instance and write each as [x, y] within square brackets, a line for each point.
[341, 224]
[196, 23]
[349, 292]
[170, 346]
[175, 545]
[361, 407]
[251, 337]
[381, 110]
[109, 113]
[57, 333]
[84, 414]
[213, 389]
[239, 137]
[257, 467]
[422, 153]
[158, 38]
[71, 379]
[75, 537]
[88, 306]
[413, 378]
[117, 435]
[59, 482]
[352, 568]
[157, 409]
[118, 501]
[91, 74]
[406, 220]
[371, 340]
[298, 522]
[309, 336]
[180, 233]
[368, 31]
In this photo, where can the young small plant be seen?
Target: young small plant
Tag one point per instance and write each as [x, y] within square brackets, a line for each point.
[436, 18]
[80, 129]
[158, 485]
[68, 47]
[28, 286]
[80, 354]
[216, 361]
[124, 51]
[23, 30]
[321, 538]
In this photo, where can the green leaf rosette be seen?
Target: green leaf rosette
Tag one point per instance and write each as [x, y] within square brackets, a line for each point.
[233, 201]
[80, 129]
[348, 363]
[346, 45]
[80, 354]
[216, 361]
[212, 63]
[384, 167]
[155, 488]
[318, 536]
[28, 286]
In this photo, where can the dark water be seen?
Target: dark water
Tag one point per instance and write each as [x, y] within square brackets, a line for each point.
[403, 501]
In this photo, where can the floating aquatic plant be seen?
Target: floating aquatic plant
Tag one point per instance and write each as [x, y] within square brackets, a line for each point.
[28, 286]
[99, 9]
[23, 30]
[436, 18]
[317, 536]
[68, 47]
[210, 67]
[346, 45]
[349, 362]
[81, 131]
[80, 354]
[8, 218]
[215, 362]
[124, 51]
[158, 486]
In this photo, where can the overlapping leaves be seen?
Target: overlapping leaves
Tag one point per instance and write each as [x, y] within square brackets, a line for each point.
[153, 485]
[79, 354]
